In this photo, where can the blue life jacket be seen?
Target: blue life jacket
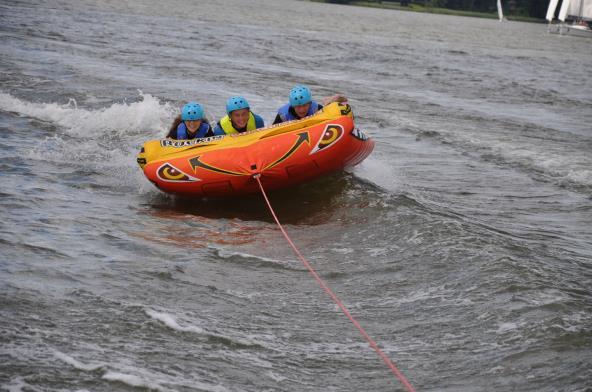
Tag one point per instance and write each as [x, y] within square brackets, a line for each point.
[202, 131]
[286, 114]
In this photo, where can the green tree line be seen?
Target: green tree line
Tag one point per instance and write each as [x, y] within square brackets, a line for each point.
[530, 8]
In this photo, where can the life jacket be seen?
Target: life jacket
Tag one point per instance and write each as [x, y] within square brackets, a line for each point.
[183, 133]
[286, 114]
[228, 128]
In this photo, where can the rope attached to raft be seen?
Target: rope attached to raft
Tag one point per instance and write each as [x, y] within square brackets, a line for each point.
[331, 294]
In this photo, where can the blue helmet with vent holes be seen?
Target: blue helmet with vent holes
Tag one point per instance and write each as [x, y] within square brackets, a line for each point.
[236, 103]
[192, 111]
[300, 95]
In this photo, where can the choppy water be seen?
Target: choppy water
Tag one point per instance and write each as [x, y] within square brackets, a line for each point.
[463, 244]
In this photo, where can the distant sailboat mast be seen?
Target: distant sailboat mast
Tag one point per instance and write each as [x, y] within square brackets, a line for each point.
[500, 13]
[551, 10]
[563, 10]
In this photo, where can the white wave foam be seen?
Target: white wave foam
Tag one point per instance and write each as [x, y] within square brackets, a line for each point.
[496, 370]
[557, 155]
[566, 165]
[227, 254]
[582, 176]
[157, 385]
[133, 381]
[380, 172]
[143, 380]
[146, 117]
[558, 150]
[170, 322]
[104, 140]
[243, 294]
[77, 364]
[506, 327]
[276, 377]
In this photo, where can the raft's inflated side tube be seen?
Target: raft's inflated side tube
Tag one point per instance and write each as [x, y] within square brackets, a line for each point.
[284, 154]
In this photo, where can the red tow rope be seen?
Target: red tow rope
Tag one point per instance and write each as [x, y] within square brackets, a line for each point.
[321, 282]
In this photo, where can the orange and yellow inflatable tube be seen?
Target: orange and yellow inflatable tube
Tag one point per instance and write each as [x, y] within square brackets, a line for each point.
[284, 154]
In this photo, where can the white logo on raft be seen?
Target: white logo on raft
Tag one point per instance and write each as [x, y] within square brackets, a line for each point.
[186, 143]
[358, 134]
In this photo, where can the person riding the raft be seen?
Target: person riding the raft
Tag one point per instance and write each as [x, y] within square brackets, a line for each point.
[191, 124]
[302, 105]
[239, 118]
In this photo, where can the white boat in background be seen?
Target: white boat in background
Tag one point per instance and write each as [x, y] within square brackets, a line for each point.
[575, 17]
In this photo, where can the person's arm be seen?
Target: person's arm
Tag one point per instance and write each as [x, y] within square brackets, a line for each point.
[334, 98]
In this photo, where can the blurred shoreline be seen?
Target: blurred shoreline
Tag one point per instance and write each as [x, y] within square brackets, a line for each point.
[433, 10]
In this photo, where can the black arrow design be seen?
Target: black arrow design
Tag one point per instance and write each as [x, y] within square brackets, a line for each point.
[302, 137]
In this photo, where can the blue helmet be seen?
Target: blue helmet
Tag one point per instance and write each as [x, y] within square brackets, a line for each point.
[192, 111]
[300, 95]
[236, 103]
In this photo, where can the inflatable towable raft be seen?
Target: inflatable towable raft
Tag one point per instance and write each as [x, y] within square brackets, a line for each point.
[284, 155]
